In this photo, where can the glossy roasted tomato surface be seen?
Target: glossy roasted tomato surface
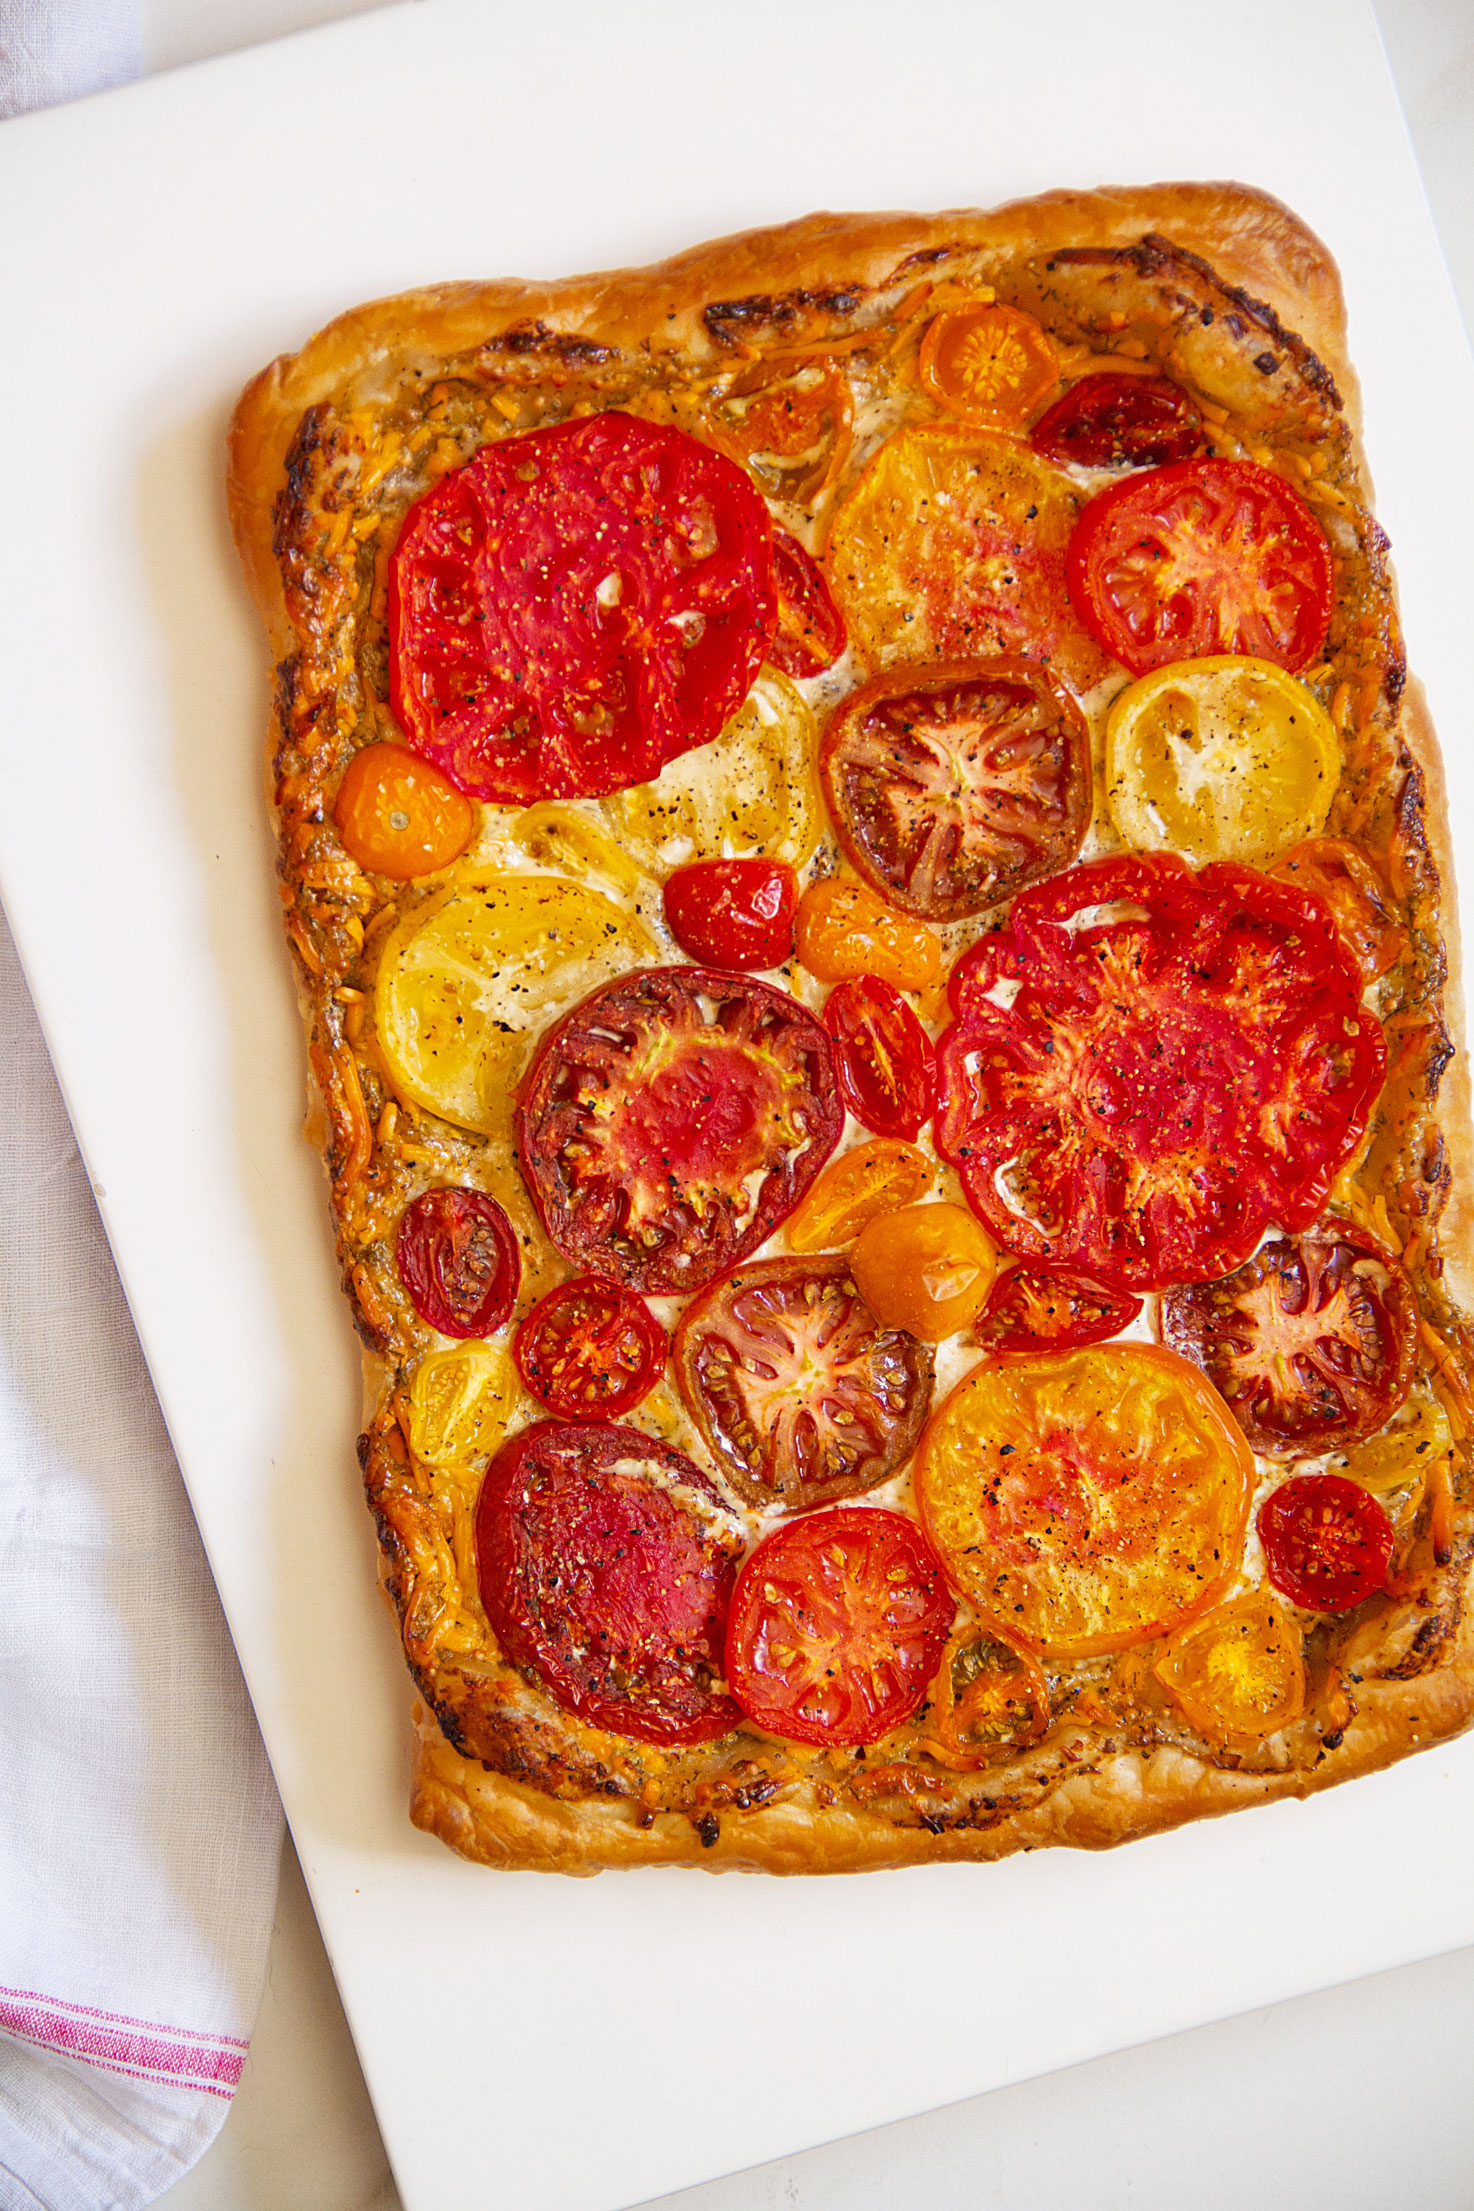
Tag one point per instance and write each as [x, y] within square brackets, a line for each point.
[400, 817]
[733, 913]
[1351, 886]
[810, 634]
[843, 931]
[672, 1121]
[1086, 1500]
[989, 363]
[887, 1067]
[1312, 1342]
[800, 1393]
[1034, 1308]
[458, 1259]
[855, 1189]
[1200, 558]
[576, 606]
[837, 1624]
[1108, 420]
[952, 787]
[590, 1351]
[1150, 1066]
[604, 1584]
[1327, 1542]
[1236, 1676]
[926, 1268]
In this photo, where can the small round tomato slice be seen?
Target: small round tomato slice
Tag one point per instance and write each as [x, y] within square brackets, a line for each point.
[953, 787]
[837, 1623]
[1327, 1542]
[1237, 1676]
[1110, 419]
[800, 1393]
[606, 1561]
[1202, 558]
[733, 913]
[590, 1351]
[887, 1067]
[576, 606]
[1086, 1500]
[671, 1121]
[988, 363]
[400, 817]
[810, 632]
[1035, 1308]
[1312, 1342]
[458, 1259]
[926, 1268]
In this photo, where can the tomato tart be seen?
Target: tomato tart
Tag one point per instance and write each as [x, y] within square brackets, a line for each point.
[871, 899]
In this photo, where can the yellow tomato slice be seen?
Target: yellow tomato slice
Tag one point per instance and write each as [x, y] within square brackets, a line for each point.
[1237, 1675]
[461, 1404]
[752, 792]
[1085, 1500]
[469, 981]
[1220, 759]
[1414, 1451]
[562, 836]
[991, 364]
[952, 547]
[856, 1189]
[842, 931]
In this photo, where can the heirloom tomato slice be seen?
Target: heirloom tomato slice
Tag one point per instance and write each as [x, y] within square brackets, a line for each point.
[605, 1560]
[988, 1697]
[837, 1623]
[1238, 1675]
[1149, 1066]
[751, 793]
[1327, 1542]
[855, 1189]
[952, 546]
[670, 1122]
[1086, 1500]
[733, 913]
[1036, 1308]
[1110, 419]
[810, 632]
[989, 363]
[458, 1259]
[952, 787]
[590, 1351]
[1349, 883]
[1200, 558]
[887, 1067]
[1312, 1342]
[800, 1393]
[577, 605]
[461, 1404]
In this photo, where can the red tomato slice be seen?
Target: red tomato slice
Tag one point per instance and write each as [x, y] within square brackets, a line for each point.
[577, 606]
[838, 1621]
[1150, 1066]
[886, 1062]
[800, 1393]
[458, 1260]
[952, 787]
[1108, 419]
[1327, 1542]
[810, 634]
[1313, 1342]
[670, 1122]
[1200, 558]
[605, 1561]
[590, 1351]
[733, 913]
[1052, 1309]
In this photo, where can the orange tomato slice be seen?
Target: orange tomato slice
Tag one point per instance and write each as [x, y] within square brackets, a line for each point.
[398, 816]
[1350, 883]
[856, 1189]
[1086, 1500]
[927, 1269]
[843, 930]
[1238, 1674]
[992, 365]
[988, 1697]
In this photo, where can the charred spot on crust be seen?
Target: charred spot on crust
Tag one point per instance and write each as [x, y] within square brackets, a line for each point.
[730, 321]
[709, 1828]
[558, 345]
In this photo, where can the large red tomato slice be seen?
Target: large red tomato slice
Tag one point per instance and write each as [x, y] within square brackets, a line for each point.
[605, 1561]
[952, 787]
[800, 1393]
[577, 606]
[1200, 558]
[1312, 1342]
[672, 1120]
[1149, 1066]
[837, 1623]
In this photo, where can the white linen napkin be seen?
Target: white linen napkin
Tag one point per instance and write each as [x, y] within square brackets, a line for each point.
[53, 50]
[139, 1828]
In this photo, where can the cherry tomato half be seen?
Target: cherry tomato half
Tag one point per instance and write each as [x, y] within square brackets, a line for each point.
[1052, 1309]
[810, 633]
[885, 1059]
[926, 1268]
[590, 1351]
[837, 1623]
[458, 1259]
[400, 817]
[800, 1393]
[1109, 419]
[576, 606]
[1202, 558]
[604, 1584]
[1236, 1676]
[843, 930]
[1327, 1542]
[733, 913]
[855, 1189]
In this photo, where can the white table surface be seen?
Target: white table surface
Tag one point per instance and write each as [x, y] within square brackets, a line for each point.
[1357, 2096]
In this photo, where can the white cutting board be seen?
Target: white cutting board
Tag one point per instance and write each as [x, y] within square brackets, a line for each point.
[535, 2043]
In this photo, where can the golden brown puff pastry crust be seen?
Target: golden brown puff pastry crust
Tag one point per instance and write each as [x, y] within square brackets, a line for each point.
[1248, 312]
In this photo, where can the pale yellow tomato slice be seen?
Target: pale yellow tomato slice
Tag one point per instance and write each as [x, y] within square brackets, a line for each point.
[1415, 1451]
[574, 842]
[752, 792]
[1238, 1675]
[461, 1404]
[1086, 1500]
[1220, 759]
[469, 981]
